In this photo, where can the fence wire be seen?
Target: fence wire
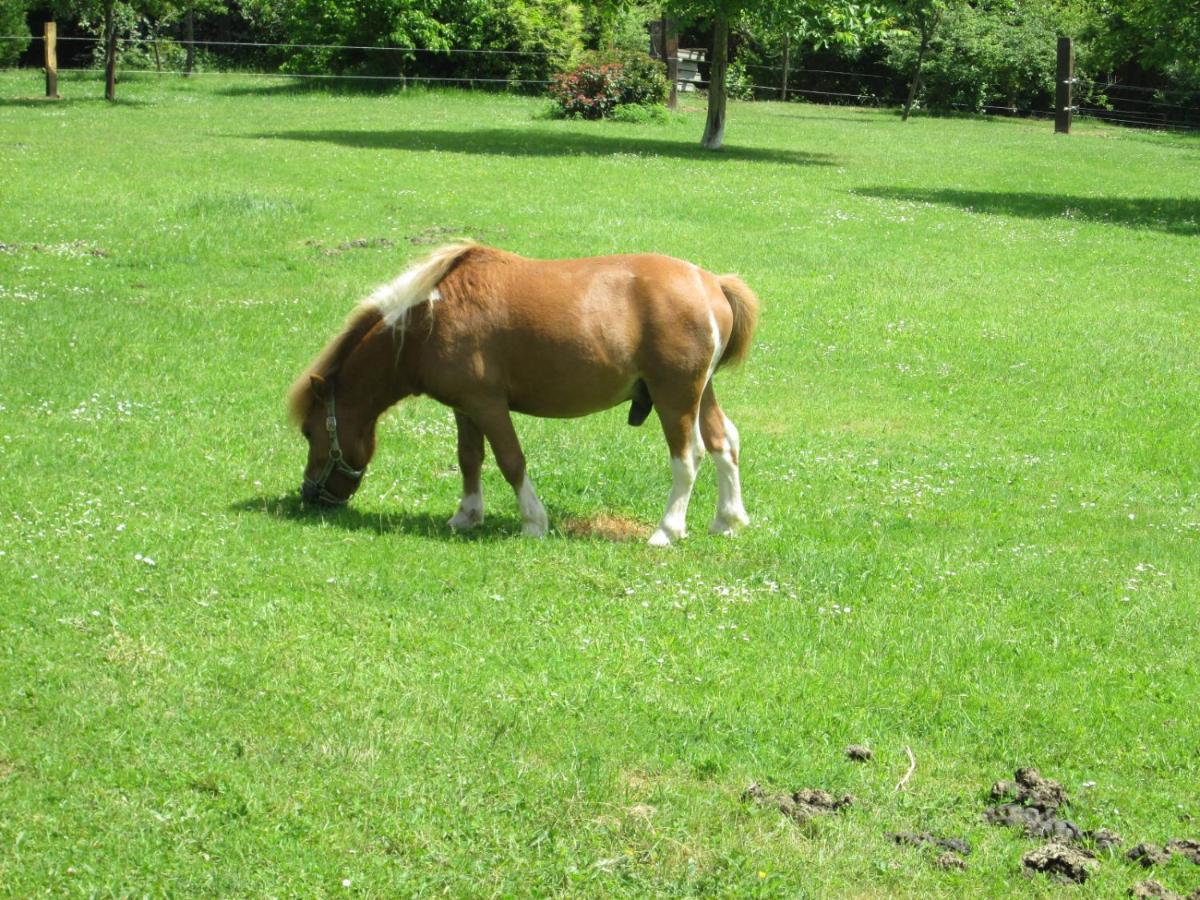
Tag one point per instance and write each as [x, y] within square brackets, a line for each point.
[1124, 116]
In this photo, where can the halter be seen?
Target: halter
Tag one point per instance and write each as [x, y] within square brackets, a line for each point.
[335, 463]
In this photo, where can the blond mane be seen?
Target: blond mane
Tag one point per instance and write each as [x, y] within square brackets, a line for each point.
[389, 304]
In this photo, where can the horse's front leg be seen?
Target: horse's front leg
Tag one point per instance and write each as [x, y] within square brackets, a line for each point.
[496, 423]
[470, 461]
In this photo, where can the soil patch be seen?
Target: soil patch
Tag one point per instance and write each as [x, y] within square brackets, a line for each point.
[799, 806]
[1033, 807]
[604, 526]
[1151, 888]
[435, 235]
[1061, 861]
[356, 244]
[925, 839]
[1186, 848]
[1147, 855]
[859, 753]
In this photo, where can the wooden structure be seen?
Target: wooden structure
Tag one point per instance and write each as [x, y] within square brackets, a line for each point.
[1064, 80]
[50, 44]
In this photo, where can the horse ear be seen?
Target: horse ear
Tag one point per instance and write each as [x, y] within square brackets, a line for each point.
[319, 386]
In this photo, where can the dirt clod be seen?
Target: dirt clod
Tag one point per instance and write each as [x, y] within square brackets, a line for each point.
[1187, 848]
[1147, 855]
[924, 839]
[950, 861]
[859, 753]
[801, 805]
[1034, 790]
[1151, 888]
[1061, 861]
[434, 235]
[1103, 838]
[1033, 808]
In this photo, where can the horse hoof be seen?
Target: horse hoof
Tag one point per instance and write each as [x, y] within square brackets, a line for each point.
[663, 538]
[728, 524]
[534, 529]
[465, 519]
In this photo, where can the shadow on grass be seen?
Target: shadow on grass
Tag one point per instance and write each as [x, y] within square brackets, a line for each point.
[47, 103]
[542, 142]
[350, 518]
[280, 86]
[1173, 215]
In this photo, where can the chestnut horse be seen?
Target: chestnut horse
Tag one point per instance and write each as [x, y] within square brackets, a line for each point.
[489, 333]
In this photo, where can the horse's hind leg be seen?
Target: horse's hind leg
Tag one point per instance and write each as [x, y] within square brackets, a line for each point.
[678, 417]
[496, 424]
[721, 440]
[470, 461]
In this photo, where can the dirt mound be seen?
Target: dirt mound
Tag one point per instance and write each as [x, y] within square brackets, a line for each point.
[859, 753]
[801, 805]
[1148, 855]
[1033, 808]
[1187, 848]
[1061, 861]
[925, 839]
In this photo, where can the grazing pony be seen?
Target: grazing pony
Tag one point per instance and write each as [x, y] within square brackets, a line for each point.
[489, 333]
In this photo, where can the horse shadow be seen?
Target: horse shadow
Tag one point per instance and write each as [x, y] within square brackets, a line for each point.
[542, 141]
[350, 518]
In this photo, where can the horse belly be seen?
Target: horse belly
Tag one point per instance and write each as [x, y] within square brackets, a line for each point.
[565, 385]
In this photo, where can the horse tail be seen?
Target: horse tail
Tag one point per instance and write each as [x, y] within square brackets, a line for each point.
[744, 303]
[418, 283]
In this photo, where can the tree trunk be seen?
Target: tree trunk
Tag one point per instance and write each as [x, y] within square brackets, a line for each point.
[110, 53]
[927, 30]
[714, 128]
[189, 35]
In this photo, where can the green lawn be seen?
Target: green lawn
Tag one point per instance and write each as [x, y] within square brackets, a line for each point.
[971, 454]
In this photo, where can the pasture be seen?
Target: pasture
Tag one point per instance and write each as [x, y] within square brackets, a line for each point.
[971, 456]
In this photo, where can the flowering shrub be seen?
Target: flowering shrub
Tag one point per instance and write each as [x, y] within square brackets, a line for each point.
[588, 92]
[603, 82]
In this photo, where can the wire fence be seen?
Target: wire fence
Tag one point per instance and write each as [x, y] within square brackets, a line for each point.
[1104, 100]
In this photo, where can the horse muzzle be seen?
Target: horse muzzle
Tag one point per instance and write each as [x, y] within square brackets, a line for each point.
[313, 494]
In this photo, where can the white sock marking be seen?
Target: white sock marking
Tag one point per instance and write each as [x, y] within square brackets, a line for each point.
[731, 514]
[674, 521]
[533, 514]
[470, 512]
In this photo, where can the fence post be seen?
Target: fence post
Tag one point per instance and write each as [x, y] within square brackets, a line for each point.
[787, 46]
[670, 48]
[50, 40]
[1063, 82]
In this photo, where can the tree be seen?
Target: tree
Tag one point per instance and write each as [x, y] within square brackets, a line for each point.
[830, 20]
[921, 17]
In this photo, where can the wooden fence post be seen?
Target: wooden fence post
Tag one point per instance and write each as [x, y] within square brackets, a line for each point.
[50, 40]
[787, 46]
[670, 45]
[1063, 82]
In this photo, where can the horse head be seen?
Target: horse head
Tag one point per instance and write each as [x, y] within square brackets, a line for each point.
[341, 441]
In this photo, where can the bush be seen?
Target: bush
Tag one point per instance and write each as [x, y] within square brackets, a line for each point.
[604, 81]
[12, 22]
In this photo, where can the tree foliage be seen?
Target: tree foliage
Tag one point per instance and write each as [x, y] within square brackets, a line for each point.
[12, 22]
[989, 54]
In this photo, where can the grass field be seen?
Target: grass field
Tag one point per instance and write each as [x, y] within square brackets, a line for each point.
[971, 454]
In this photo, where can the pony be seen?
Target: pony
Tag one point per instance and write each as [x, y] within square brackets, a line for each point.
[489, 333]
